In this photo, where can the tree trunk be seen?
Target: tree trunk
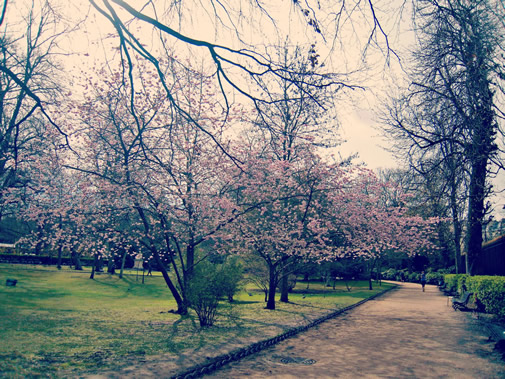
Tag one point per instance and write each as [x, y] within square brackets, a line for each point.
[95, 261]
[76, 260]
[123, 261]
[190, 263]
[482, 148]
[372, 265]
[476, 211]
[379, 273]
[182, 307]
[476, 206]
[284, 288]
[272, 284]
[111, 265]
[457, 241]
[58, 263]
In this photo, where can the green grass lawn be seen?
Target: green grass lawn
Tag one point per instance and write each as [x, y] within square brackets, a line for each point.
[61, 322]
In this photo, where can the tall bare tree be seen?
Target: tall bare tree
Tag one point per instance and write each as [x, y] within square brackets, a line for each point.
[28, 78]
[449, 117]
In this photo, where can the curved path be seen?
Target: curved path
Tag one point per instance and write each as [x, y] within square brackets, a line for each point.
[406, 333]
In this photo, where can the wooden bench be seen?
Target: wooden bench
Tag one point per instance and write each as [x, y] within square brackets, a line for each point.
[462, 302]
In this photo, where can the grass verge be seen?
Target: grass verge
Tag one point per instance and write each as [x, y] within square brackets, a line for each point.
[61, 323]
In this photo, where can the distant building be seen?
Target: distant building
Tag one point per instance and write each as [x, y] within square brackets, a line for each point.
[7, 248]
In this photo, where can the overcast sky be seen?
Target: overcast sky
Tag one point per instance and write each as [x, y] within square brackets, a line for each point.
[356, 114]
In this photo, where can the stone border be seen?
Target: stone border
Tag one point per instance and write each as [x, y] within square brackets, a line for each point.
[221, 360]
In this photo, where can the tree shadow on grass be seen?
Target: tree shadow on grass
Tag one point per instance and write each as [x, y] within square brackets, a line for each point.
[245, 302]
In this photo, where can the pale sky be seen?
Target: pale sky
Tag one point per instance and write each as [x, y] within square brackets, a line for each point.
[366, 140]
[357, 121]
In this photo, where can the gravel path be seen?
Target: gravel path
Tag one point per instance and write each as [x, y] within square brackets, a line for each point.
[406, 333]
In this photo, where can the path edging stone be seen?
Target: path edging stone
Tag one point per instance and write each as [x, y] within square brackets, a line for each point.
[221, 360]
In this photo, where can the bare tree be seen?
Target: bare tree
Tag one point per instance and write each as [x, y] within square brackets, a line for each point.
[28, 77]
[449, 116]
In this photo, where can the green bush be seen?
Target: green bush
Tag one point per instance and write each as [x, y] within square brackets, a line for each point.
[451, 282]
[390, 274]
[231, 276]
[211, 282]
[462, 285]
[489, 293]
[413, 277]
[434, 278]
[456, 282]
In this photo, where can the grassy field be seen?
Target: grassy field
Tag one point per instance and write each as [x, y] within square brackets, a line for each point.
[61, 323]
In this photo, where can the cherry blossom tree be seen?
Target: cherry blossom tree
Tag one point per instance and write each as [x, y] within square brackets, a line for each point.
[69, 212]
[300, 115]
[167, 174]
[374, 222]
[283, 221]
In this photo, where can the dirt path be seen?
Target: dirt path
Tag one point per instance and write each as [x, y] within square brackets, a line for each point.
[406, 333]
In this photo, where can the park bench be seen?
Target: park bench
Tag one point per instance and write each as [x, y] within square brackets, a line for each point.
[443, 287]
[447, 291]
[461, 302]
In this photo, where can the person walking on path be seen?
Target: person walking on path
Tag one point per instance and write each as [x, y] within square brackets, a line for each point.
[423, 280]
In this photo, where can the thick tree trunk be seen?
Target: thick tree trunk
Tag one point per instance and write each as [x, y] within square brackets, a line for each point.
[95, 262]
[111, 265]
[182, 307]
[482, 149]
[483, 134]
[476, 212]
[190, 263]
[272, 284]
[58, 263]
[284, 288]
[123, 261]
[76, 260]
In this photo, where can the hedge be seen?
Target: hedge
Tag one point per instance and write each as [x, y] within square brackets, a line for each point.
[414, 277]
[41, 259]
[489, 291]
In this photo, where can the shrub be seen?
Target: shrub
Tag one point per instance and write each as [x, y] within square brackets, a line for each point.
[461, 280]
[451, 281]
[434, 278]
[457, 282]
[390, 274]
[209, 283]
[413, 277]
[231, 276]
[489, 293]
